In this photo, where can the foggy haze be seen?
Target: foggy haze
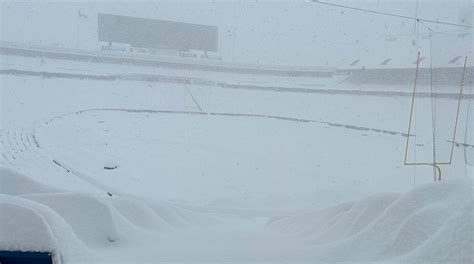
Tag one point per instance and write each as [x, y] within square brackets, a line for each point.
[271, 32]
[242, 131]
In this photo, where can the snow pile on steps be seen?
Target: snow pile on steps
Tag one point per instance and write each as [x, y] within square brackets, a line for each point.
[38, 218]
[431, 224]
[20, 151]
[30, 226]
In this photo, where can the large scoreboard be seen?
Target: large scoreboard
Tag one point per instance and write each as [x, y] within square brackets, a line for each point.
[157, 34]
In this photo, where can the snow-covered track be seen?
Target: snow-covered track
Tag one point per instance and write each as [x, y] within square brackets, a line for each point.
[249, 115]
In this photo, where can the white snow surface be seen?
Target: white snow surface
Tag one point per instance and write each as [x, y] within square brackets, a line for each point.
[258, 177]
[433, 222]
[417, 227]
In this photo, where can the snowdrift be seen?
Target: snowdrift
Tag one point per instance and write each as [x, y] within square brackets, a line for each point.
[430, 224]
[75, 226]
[13, 183]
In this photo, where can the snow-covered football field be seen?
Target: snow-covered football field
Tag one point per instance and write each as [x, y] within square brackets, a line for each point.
[125, 171]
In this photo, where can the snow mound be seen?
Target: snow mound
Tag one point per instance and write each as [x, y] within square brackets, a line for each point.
[91, 218]
[139, 213]
[13, 183]
[24, 228]
[29, 226]
[420, 226]
[77, 225]
[453, 243]
[181, 217]
[308, 223]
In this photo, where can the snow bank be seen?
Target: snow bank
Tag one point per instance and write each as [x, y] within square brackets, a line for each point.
[181, 217]
[91, 218]
[77, 226]
[139, 213]
[452, 243]
[432, 223]
[13, 183]
[24, 229]
[29, 226]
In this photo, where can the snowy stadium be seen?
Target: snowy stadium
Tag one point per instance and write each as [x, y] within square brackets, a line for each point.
[236, 132]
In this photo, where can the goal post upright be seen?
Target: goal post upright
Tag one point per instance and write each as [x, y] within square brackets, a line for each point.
[434, 164]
